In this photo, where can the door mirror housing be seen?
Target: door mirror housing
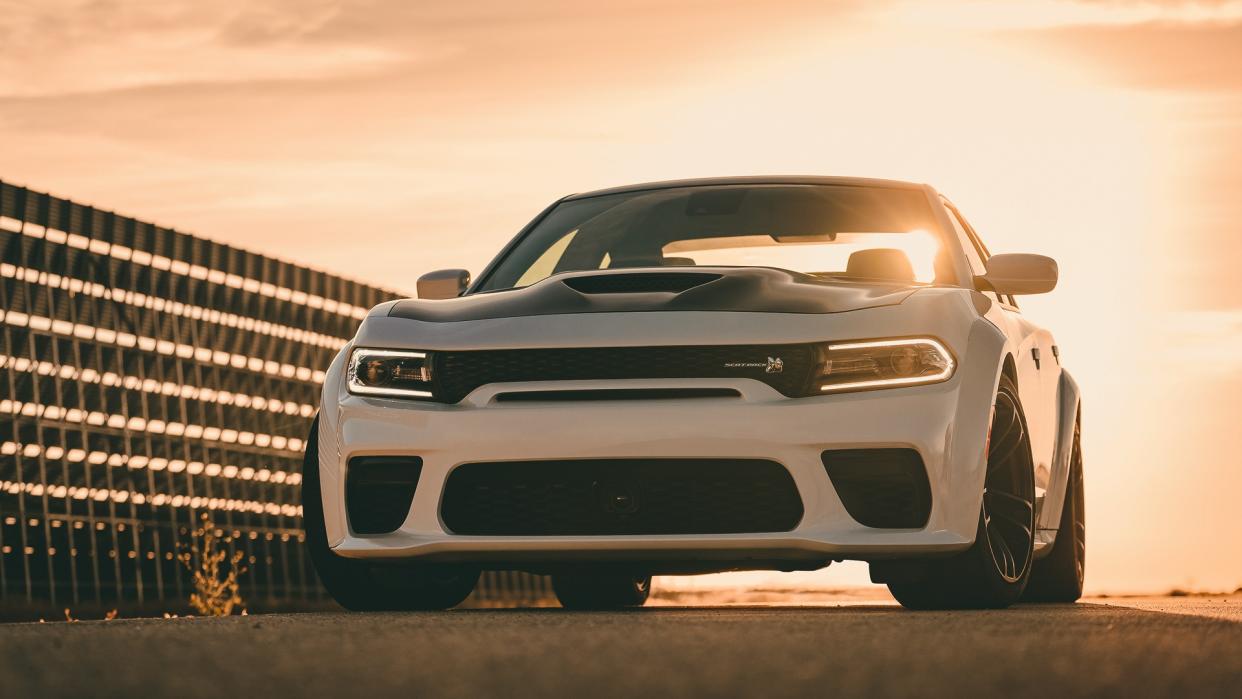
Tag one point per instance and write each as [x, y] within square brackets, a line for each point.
[1019, 273]
[443, 284]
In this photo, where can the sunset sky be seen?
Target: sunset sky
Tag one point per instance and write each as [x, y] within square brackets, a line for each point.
[382, 139]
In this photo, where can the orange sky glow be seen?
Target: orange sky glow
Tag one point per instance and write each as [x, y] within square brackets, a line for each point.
[382, 139]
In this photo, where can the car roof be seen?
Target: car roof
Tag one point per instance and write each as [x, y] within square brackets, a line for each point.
[753, 179]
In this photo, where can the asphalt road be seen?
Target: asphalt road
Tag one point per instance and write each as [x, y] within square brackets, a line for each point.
[1088, 649]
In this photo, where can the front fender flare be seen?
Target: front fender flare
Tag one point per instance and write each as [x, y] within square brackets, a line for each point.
[982, 368]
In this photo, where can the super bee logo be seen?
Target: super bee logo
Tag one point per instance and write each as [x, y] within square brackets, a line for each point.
[774, 365]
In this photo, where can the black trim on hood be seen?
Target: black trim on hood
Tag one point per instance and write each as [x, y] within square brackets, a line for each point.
[741, 289]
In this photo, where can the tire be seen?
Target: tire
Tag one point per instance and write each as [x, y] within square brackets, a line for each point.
[994, 571]
[601, 590]
[362, 586]
[1058, 576]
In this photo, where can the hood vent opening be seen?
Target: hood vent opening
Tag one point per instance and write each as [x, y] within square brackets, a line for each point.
[639, 283]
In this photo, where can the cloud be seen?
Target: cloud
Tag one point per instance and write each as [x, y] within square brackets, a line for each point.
[71, 46]
[988, 15]
[984, 15]
[1160, 56]
[1204, 340]
[1171, 44]
[287, 121]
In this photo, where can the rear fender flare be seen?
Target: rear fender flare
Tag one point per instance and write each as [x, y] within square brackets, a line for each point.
[1068, 406]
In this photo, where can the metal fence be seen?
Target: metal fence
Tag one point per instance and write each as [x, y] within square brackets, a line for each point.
[146, 377]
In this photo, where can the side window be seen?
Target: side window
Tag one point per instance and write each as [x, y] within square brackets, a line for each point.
[976, 254]
[982, 250]
[972, 252]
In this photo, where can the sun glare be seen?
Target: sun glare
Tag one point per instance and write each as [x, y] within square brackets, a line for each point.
[1040, 155]
[813, 255]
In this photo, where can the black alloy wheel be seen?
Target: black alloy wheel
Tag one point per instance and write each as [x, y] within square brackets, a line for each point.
[1059, 575]
[994, 571]
[1009, 492]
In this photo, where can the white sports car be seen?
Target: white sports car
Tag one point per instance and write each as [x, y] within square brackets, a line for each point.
[707, 375]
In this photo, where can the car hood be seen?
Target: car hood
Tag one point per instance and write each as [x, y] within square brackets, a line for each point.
[735, 289]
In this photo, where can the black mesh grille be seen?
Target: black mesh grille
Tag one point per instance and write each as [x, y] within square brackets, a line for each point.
[883, 488]
[456, 374]
[379, 491]
[647, 282]
[620, 496]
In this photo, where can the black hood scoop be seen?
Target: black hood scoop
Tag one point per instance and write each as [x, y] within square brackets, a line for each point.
[739, 289]
[638, 282]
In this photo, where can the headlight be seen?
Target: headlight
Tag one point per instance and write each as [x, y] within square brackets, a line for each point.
[856, 366]
[396, 373]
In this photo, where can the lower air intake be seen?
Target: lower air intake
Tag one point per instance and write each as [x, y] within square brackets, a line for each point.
[882, 488]
[379, 491]
[620, 496]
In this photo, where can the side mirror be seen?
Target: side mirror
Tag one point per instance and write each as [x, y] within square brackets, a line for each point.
[443, 284]
[1019, 274]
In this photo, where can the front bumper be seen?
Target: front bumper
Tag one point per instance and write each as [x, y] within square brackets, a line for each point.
[946, 423]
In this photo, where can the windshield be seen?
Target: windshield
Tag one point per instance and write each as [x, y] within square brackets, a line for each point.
[852, 233]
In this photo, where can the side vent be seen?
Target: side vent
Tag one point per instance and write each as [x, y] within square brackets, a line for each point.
[379, 491]
[642, 283]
